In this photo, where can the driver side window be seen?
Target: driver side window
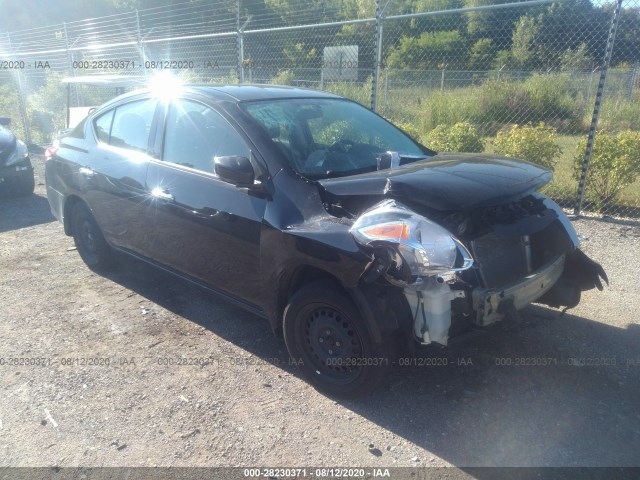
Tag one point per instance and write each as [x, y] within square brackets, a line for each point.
[196, 133]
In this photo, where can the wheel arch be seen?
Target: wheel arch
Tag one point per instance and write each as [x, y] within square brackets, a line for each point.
[383, 308]
[70, 202]
[292, 282]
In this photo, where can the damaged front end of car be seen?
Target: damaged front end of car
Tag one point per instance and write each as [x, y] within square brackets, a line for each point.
[477, 266]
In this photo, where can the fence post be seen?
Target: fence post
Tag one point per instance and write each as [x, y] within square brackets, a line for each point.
[378, 60]
[143, 55]
[633, 81]
[591, 82]
[386, 90]
[239, 45]
[70, 68]
[22, 104]
[72, 72]
[240, 41]
[596, 108]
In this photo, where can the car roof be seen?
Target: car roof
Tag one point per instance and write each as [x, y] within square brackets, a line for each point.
[249, 92]
[241, 93]
[233, 93]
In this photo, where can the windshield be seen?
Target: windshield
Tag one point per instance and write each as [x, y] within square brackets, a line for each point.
[324, 138]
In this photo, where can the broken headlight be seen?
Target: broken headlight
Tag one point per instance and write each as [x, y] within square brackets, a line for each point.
[425, 247]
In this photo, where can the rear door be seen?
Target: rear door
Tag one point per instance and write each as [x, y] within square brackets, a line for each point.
[203, 226]
[114, 173]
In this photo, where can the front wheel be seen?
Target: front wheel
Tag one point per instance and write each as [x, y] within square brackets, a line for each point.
[331, 344]
[90, 242]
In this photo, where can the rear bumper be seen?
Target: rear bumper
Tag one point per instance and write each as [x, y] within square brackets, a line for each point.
[490, 304]
[20, 170]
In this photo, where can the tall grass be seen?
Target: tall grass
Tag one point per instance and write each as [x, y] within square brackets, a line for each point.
[553, 99]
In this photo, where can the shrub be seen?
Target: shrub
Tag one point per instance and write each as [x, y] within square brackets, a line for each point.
[533, 144]
[47, 108]
[9, 108]
[284, 77]
[408, 128]
[614, 165]
[462, 137]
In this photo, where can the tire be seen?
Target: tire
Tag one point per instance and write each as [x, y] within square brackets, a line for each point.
[90, 242]
[331, 344]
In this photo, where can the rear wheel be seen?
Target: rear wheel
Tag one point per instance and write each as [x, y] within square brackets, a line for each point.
[90, 242]
[331, 344]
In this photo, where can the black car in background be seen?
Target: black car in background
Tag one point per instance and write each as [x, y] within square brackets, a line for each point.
[353, 240]
[16, 172]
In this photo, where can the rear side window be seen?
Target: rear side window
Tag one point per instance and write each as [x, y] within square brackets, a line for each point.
[78, 131]
[103, 126]
[128, 125]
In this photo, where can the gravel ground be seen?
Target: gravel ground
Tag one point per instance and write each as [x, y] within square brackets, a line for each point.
[234, 400]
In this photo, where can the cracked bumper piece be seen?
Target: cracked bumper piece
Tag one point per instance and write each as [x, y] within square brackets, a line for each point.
[491, 304]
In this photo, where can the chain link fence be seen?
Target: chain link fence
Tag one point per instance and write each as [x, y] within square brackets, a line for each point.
[555, 83]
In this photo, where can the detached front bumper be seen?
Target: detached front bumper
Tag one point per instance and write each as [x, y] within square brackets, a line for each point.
[492, 304]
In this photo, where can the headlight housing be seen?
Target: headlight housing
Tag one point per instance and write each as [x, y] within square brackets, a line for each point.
[19, 154]
[426, 247]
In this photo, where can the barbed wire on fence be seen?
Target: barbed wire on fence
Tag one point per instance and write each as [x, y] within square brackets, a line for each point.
[483, 66]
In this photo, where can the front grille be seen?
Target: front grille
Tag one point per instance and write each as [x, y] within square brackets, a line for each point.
[501, 260]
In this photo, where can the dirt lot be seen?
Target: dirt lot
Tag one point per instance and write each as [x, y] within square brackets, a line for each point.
[237, 401]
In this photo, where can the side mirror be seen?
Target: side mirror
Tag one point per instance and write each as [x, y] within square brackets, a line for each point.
[5, 121]
[235, 169]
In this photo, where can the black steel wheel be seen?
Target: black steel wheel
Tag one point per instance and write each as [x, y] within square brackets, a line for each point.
[90, 242]
[329, 341]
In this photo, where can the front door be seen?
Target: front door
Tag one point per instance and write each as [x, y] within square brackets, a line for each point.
[204, 227]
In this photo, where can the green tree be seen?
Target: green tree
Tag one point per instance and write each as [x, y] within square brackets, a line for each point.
[429, 50]
[523, 49]
[577, 59]
[482, 54]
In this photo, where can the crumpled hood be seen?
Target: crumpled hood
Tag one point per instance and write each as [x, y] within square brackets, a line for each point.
[448, 182]
[7, 144]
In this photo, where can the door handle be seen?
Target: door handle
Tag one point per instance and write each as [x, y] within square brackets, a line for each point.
[162, 194]
[87, 172]
[207, 212]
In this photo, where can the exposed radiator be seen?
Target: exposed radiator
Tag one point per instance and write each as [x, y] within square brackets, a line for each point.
[502, 260]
